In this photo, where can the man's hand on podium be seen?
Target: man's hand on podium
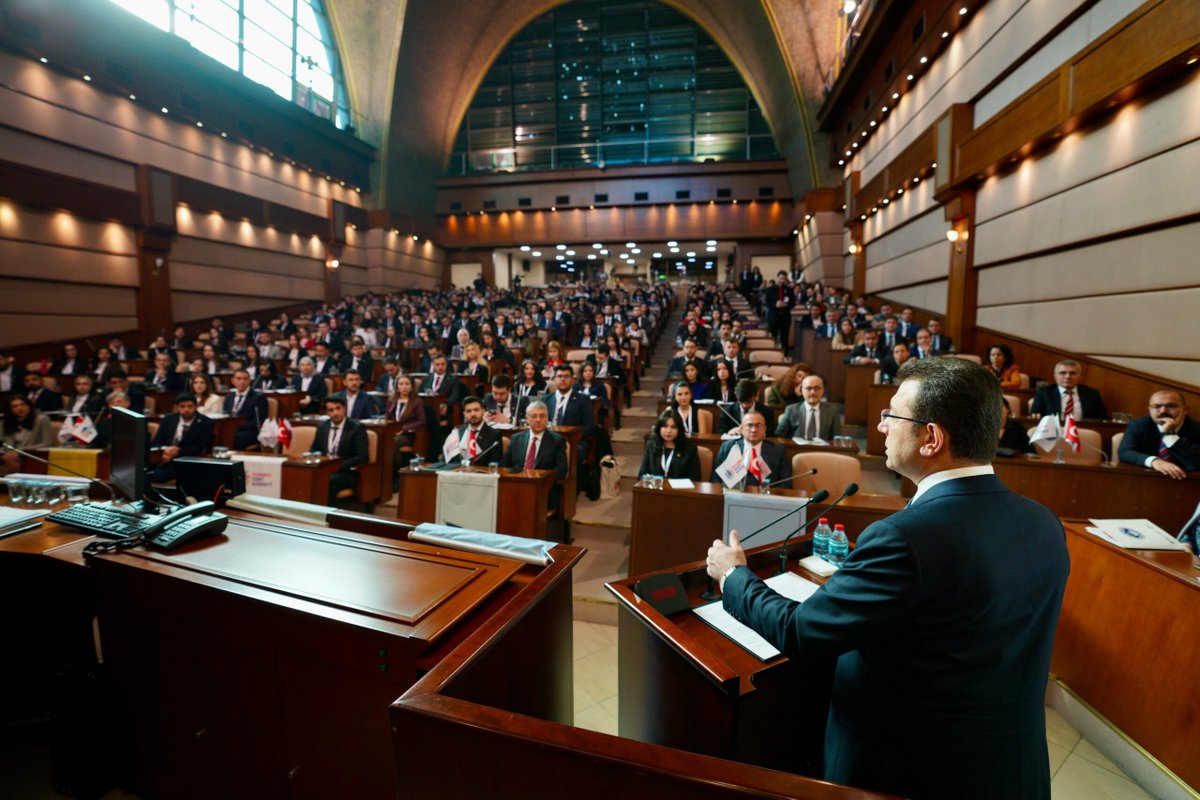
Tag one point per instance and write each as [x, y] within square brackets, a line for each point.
[722, 558]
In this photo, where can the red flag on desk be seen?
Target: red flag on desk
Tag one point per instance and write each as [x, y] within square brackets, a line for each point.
[1071, 434]
[285, 433]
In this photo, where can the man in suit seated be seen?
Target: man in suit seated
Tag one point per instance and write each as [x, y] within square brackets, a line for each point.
[814, 418]
[86, 399]
[538, 448]
[608, 367]
[163, 376]
[478, 442]
[675, 368]
[1166, 440]
[1069, 398]
[248, 404]
[387, 381]
[441, 382]
[939, 608]
[501, 405]
[924, 345]
[746, 392]
[323, 362]
[869, 352]
[118, 381]
[359, 404]
[939, 341]
[183, 433]
[891, 335]
[569, 407]
[39, 396]
[829, 328]
[358, 359]
[891, 364]
[10, 375]
[346, 438]
[906, 326]
[311, 385]
[764, 460]
[739, 366]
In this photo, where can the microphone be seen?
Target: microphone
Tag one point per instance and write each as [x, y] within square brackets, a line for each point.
[721, 405]
[812, 471]
[850, 490]
[487, 449]
[112, 495]
[710, 593]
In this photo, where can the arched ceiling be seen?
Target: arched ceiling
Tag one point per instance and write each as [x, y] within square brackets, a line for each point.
[413, 67]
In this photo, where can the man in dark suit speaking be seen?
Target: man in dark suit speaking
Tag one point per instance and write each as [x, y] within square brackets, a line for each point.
[941, 620]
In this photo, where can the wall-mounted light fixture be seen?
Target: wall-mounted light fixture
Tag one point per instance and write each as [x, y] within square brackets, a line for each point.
[853, 248]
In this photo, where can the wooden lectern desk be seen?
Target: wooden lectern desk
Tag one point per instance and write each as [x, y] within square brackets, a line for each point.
[520, 510]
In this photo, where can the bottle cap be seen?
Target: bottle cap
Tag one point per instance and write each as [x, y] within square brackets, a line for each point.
[839, 527]
[823, 521]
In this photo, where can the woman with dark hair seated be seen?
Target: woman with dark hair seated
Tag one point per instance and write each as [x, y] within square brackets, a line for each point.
[686, 413]
[530, 383]
[1000, 363]
[668, 453]
[268, 379]
[25, 429]
[691, 376]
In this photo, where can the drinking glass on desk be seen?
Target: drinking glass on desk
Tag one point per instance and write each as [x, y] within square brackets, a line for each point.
[415, 464]
[494, 468]
[17, 491]
[220, 452]
[77, 493]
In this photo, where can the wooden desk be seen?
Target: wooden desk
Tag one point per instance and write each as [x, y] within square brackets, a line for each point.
[1129, 640]
[879, 397]
[1105, 427]
[385, 452]
[520, 509]
[574, 435]
[713, 442]
[1081, 491]
[287, 404]
[308, 483]
[859, 378]
[669, 526]
[261, 664]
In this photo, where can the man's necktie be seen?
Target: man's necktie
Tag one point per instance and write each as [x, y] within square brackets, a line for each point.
[561, 406]
[1164, 452]
[752, 465]
[531, 453]
[437, 381]
[335, 436]
[179, 432]
[237, 403]
[810, 431]
[1069, 409]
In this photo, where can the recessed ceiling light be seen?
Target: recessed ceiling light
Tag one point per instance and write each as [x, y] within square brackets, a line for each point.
[962, 11]
[711, 242]
[570, 252]
[945, 34]
[525, 248]
[895, 95]
[691, 254]
[560, 247]
[87, 77]
[631, 244]
[164, 110]
[597, 247]
[924, 59]
[910, 76]
[656, 255]
[841, 162]
[672, 244]
[536, 254]
[43, 60]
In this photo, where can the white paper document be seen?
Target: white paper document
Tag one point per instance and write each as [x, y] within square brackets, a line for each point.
[681, 483]
[1134, 534]
[788, 584]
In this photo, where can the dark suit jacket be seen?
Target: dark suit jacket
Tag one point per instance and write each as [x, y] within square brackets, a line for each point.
[353, 447]
[46, 400]
[1142, 439]
[861, 351]
[942, 621]
[774, 455]
[366, 366]
[577, 412]
[1047, 400]
[728, 424]
[742, 368]
[675, 368]
[196, 439]
[515, 408]
[413, 416]
[173, 382]
[943, 343]
[778, 317]
[615, 370]
[486, 437]
[795, 417]
[450, 388]
[364, 406]
[93, 405]
[254, 411]
[685, 464]
[551, 455]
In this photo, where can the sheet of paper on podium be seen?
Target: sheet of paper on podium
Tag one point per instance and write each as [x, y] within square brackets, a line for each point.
[1134, 534]
[788, 584]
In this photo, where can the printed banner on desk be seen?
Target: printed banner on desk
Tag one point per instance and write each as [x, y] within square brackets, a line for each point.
[264, 474]
[467, 499]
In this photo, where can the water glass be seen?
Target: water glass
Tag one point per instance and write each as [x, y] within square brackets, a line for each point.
[416, 463]
[17, 492]
[77, 493]
[764, 487]
[220, 452]
[494, 468]
[55, 492]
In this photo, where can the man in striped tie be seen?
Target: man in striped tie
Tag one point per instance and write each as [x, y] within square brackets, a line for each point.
[1166, 440]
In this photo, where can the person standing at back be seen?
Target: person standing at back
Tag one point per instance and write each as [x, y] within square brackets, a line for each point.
[942, 619]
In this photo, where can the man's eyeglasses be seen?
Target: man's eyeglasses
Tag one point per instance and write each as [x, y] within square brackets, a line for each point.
[885, 415]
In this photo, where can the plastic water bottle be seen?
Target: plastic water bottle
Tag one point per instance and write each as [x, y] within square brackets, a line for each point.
[839, 545]
[821, 536]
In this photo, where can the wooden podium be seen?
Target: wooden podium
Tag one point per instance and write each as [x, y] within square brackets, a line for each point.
[520, 509]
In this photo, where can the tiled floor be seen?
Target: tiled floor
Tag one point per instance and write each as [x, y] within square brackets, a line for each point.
[1079, 770]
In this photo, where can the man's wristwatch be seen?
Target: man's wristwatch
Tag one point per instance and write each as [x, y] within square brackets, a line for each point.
[728, 572]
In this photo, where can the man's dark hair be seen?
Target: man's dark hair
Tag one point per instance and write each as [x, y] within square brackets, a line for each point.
[602, 348]
[185, 397]
[747, 390]
[501, 382]
[349, 372]
[118, 373]
[473, 399]
[564, 368]
[338, 399]
[963, 398]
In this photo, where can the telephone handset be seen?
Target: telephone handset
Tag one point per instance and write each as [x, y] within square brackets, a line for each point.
[184, 525]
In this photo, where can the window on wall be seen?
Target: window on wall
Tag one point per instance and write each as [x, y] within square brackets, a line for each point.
[285, 45]
[608, 82]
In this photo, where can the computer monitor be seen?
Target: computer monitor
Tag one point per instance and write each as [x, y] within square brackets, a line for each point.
[130, 454]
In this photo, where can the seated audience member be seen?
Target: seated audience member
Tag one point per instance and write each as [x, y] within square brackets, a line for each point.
[890, 365]
[251, 360]
[503, 407]
[685, 410]
[815, 318]
[386, 384]
[907, 326]
[868, 352]
[478, 442]
[248, 404]
[10, 375]
[359, 404]
[346, 438]
[180, 340]
[162, 375]
[890, 335]
[310, 384]
[785, 389]
[938, 340]
[358, 359]
[716, 347]
[118, 381]
[828, 329]
[462, 338]
[668, 453]
[607, 366]
[430, 352]
[25, 429]
[1069, 398]
[1000, 363]
[765, 460]
[103, 422]
[39, 396]
[268, 379]
[1166, 440]
[592, 386]
[531, 383]
[294, 352]
[742, 368]
[723, 385]
[103, 365]
[538, 447]
[847, 336]
[553, 360]
[212, 360]
[747, 401]
[473, 363]
[492, 349]
[568, 407]
[182, 433]
[86, 399]
[691, 376]
[69, 362]
[587, 337]
[675, 368]
[405, 407]
[208, 402]
[923, 345]
[323, 361]
[1013, 435]
[814, 418]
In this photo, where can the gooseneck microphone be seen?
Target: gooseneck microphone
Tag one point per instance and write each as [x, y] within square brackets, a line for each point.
[850, 490]
[112, 495]
[710, 593]
[486, 450]
[812, 471]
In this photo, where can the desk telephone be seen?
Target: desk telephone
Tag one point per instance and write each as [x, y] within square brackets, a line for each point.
[165, 532]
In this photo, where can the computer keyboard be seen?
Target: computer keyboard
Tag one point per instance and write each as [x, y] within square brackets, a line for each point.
[104, 520]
